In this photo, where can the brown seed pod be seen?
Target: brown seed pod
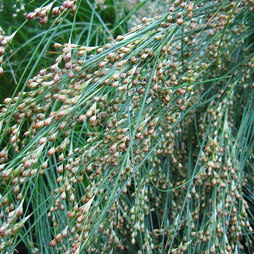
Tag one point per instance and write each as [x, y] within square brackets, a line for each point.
[51, 151]
[53, 243]
[31, 16]
[179, 21]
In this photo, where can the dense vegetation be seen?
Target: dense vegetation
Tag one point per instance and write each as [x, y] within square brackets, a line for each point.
[127, 127]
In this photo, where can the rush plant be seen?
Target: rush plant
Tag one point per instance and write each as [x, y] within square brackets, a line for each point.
[128, 137]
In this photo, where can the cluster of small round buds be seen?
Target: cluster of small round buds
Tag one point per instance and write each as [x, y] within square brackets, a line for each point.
[68, 4]
[42, 14]
[4, 43]
[107, 109]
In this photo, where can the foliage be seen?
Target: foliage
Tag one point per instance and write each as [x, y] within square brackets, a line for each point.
[135, 143]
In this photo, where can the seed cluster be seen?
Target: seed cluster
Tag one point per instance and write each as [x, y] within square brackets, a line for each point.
[5, 41]
[43, 12]
[139, 137]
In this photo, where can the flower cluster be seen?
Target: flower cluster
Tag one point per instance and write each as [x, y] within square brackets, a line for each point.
[138, 140]
[43, 12]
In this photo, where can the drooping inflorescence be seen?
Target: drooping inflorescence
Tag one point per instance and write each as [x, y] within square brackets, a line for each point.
[139, 140]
